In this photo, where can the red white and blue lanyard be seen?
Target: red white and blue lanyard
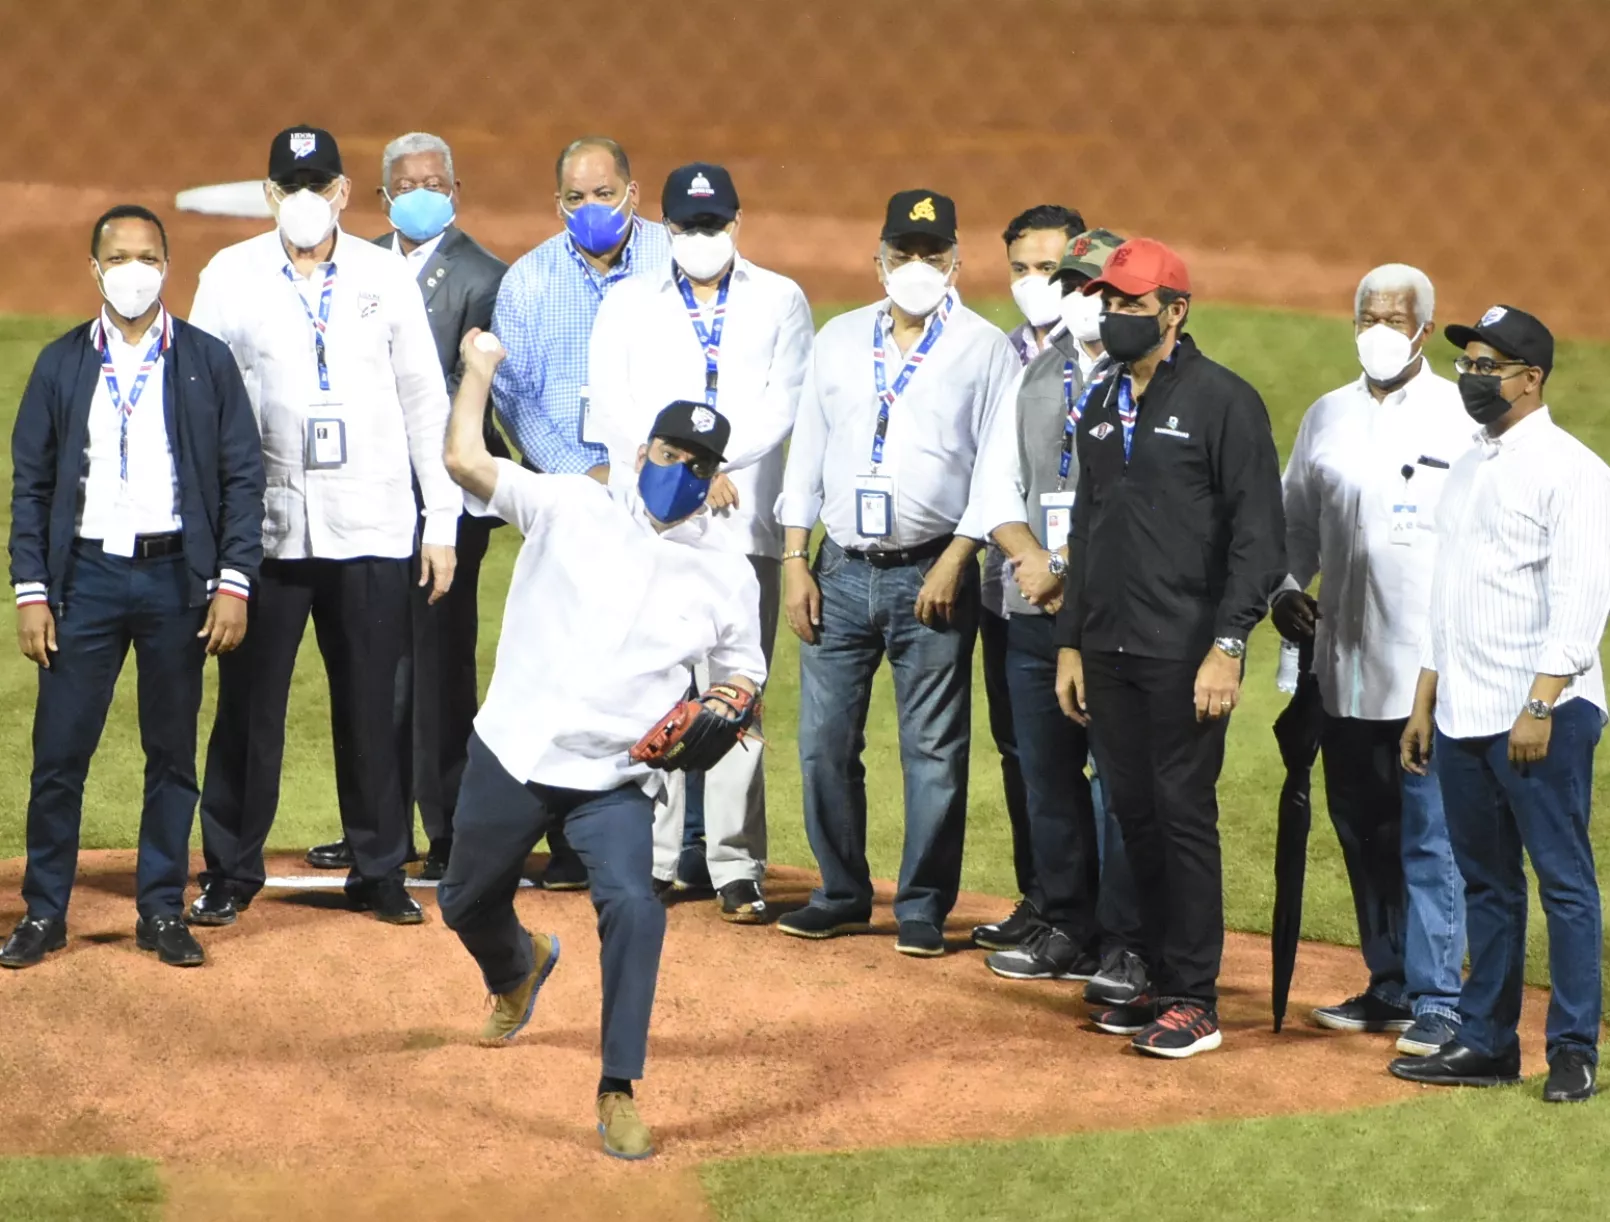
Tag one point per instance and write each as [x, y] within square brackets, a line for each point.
[320, 321]
[709, 339]
[125, 409]
[1127, 411]
[888, 394]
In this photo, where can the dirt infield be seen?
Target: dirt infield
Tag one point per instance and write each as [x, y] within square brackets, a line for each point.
[322, 1065]
[1286, 146]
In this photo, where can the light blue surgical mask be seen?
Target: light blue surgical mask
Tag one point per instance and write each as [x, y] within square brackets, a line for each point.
[598, 228]
[671, 493]
[421, 214]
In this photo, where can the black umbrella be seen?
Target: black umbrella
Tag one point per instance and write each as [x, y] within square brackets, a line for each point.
[1297, 730]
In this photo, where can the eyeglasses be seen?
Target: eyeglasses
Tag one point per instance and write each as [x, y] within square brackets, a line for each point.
[1485, 366]
[942, 260]
[281, 190]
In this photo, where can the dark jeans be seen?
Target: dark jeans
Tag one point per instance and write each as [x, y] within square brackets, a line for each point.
[439, 689]
[1407, 892]
[1494, 812]
[1161, 767]
[360, 615]
[499, 821]
[868, 613]
[992, 639]
[108, 604]
[1083, 882]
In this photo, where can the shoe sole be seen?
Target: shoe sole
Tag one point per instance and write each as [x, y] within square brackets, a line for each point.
[1026, 974]
[416, 917]
[17, 965]
[987, 944]
[543, 973]
[920, 952]
[1479, 1083]
[1120, 1028]
[1113, 1000]
[211, 922]
[1572, 1097]
[745, 916]
[153, 949]
[1415, 1048]
[1354, 1027]
[328, 865]
[1206, 1044]
[547, 886]
[819, 935]
[620, 1154]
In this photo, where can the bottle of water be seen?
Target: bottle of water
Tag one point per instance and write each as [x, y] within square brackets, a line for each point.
[1286, 675]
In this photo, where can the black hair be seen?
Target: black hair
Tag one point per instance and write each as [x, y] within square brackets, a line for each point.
[1045, 216]
[1168, 297]
[622, 166]
[124, 212]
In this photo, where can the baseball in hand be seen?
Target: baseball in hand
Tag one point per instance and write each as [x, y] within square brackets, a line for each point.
[487, 342]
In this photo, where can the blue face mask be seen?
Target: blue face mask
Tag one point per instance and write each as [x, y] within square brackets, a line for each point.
[671, 493]
[421, 214]
[598, 228]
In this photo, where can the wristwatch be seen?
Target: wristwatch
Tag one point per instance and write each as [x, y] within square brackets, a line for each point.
[1057, 566]
[1540, 709]
[1231, 646]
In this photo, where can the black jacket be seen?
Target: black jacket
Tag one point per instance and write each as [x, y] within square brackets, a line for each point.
[212, 432]
[1185, 542]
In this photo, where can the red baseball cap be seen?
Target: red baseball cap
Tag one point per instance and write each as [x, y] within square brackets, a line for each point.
[1139, 266]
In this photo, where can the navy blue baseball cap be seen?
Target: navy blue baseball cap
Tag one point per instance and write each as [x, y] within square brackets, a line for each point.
[696, 190]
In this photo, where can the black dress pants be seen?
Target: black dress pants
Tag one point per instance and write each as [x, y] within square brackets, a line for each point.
[360, 615]
[1160, 767]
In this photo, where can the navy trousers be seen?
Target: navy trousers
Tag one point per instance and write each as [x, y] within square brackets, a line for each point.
[108, 604]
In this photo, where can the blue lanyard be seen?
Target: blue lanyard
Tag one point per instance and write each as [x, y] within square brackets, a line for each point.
[888, 394]
[125, 410]
[1074, 411]
[709, 340]
[1127, 412]
[592, 277]
[320, 321]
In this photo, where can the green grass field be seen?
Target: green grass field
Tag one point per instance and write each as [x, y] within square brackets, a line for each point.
[1374, 1164]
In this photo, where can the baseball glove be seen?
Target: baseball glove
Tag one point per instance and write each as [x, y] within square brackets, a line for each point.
[696, 734]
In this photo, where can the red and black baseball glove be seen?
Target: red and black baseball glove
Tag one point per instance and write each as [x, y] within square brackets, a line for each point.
[696, 734]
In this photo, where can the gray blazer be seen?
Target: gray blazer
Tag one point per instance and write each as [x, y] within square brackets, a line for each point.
[460, 283]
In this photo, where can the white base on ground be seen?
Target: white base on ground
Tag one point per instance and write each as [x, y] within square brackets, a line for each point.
[243, 199]
[334, 881]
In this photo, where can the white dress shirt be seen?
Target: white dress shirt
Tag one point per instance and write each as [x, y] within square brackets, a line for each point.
[935, 429]
[419, 255]
[604, 622]
[645, 354]
[1370, 534]
[386, 385]
[149, 501]
[1522, 585]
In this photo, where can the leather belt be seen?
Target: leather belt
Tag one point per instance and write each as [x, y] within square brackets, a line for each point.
[158, 547]
[899, 558]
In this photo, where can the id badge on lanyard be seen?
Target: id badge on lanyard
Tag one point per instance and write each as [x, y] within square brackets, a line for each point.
[874, 493]
[326, 438]
[1056, 513]
[874, 506]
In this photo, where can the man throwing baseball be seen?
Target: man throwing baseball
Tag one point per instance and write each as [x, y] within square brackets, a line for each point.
[585, 666]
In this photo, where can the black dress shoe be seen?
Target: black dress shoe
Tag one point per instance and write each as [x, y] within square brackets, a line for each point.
[1456, 1065]
[388, 899]
[218, 904]
[1571, 1077]
[337, 856]
[436, 860]
[173, 943]
[32, 940]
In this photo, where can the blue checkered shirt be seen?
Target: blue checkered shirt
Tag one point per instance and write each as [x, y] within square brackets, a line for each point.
[544, 317]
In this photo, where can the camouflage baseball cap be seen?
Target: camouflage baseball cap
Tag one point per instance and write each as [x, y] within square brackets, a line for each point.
[1087, 253]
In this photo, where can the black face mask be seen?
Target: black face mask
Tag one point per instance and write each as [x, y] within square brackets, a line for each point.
[1483, 396]
[1128, 337]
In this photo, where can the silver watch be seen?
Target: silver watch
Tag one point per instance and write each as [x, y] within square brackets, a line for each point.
[1057, 565]
[1540, 709]
[1231, 646]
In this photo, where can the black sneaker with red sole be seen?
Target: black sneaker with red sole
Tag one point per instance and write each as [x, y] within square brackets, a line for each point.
[1182, 1030]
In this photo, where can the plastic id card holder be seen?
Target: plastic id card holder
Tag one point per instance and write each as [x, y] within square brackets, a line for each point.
[326, 443]
[1056, 510]
[874, 506]
[1405, 521]
[119, 540]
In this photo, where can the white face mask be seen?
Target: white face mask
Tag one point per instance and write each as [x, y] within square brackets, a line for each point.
[1383, 352]
[131, 288]
[1039, 300]
[916, 287]
[306, 218]
[1082, 316]
[703, 256]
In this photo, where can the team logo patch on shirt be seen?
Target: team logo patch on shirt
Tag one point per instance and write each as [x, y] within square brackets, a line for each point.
[923, 210]
[1172, 429]
[1102, 431]
[1496, 314]
[368, 303]
[703, 419]
[700, 186]
[303, 144]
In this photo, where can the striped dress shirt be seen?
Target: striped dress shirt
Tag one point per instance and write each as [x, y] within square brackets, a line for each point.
[1522, 583]
[544, 318]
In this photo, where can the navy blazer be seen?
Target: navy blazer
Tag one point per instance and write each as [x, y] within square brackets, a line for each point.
[212, 432]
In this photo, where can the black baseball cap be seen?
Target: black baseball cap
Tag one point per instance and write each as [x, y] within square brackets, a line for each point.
[304, 152]
[694, 427]
[699, 189]
[920, 212]
[1513, 332]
